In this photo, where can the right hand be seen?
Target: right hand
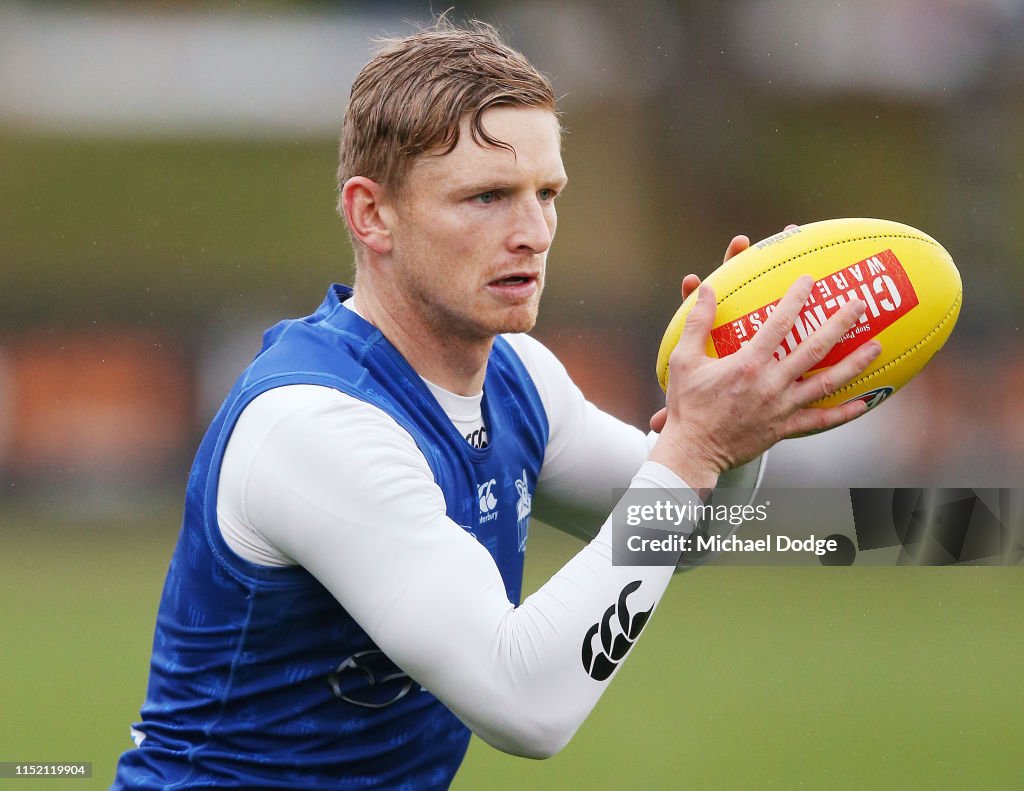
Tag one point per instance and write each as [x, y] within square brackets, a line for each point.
[722, 412]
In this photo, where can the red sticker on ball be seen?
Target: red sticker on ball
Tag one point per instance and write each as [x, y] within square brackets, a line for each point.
[880, 281]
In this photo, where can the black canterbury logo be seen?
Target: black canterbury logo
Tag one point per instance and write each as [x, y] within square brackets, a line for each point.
[478, 438]
[599, 665]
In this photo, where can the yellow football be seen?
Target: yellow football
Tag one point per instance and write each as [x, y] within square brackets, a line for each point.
[908, 281]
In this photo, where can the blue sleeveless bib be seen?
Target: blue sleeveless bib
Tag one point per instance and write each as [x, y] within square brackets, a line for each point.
[259, 677]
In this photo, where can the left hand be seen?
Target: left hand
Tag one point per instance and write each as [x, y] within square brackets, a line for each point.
[690, 284]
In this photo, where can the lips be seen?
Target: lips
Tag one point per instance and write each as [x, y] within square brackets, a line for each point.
[517, 285]
[513, 280]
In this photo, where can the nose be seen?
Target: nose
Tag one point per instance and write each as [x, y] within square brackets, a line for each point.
[534, 227]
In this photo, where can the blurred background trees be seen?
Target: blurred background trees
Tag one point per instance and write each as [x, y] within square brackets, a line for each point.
[167, 191]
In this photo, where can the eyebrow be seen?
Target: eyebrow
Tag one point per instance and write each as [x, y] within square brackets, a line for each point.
[474, 188]
[498, 185]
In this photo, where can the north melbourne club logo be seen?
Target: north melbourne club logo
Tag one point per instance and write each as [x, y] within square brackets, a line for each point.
[523, 508]
[618, 630]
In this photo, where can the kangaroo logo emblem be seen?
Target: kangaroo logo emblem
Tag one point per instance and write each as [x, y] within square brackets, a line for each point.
[523, 507]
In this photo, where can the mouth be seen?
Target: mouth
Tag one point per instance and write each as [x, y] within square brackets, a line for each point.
[516, 286]
[513, 280]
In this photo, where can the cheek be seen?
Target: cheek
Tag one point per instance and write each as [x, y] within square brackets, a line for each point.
[420, 241]
[469, 246]
[446, 232]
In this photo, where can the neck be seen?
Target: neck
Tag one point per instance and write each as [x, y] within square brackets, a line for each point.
[435, 353]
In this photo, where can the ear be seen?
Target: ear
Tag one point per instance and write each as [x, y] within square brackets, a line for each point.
[362, 200]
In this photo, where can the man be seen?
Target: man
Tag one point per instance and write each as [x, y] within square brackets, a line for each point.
[341, 609]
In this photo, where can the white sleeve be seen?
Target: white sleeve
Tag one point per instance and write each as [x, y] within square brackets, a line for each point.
[590, 452]
[355, 503]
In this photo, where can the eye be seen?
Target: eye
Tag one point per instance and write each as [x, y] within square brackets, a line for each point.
[487, 197]
[547, 195]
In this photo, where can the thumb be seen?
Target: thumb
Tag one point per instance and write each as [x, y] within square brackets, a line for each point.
[659, 419]
[699, 322]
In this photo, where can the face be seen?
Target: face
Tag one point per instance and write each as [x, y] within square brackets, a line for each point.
[472, 229]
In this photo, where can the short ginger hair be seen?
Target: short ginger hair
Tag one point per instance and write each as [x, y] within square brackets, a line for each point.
[411, 98]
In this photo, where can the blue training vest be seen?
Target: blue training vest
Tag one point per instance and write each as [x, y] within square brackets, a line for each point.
[259, 677]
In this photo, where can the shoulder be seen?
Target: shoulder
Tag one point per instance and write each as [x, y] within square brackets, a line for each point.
[546, 371]
[301, 403]
[534, 354]
[559, 396]
[300, 445]
[300, 421]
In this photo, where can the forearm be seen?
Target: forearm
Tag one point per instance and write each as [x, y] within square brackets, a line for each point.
[516, 676]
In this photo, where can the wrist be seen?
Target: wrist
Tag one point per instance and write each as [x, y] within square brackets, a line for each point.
[699, 474]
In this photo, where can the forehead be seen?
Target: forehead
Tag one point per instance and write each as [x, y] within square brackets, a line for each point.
[532, 132]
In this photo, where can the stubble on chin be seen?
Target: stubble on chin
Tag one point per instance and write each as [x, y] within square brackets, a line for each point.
[527, 322]
[488, 323]
[521, 318]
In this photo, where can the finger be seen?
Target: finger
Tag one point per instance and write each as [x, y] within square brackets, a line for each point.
[690, 284]
[812, 420]
[814, 347]
[767, 339]
[825, 383]
[736, 246]
[699, 320]
[658, 420]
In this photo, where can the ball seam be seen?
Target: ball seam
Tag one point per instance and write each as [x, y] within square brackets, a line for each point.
[858, 382]
[836, 243]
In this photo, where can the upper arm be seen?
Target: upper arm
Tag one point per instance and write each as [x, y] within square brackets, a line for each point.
[590, 452]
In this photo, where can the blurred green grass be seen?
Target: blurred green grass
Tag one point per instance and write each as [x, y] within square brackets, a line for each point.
[864, 678]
